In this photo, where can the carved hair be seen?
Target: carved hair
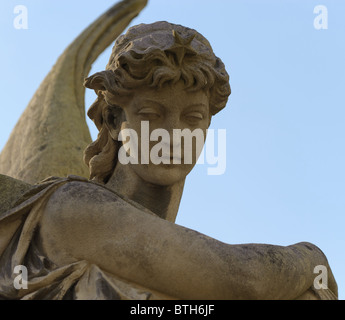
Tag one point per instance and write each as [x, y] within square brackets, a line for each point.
[150, 55]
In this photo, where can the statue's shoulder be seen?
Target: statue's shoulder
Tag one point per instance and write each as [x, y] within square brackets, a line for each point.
[77, 191]
[14, 192]
[83, 200]
[71, 191]
[10, 191]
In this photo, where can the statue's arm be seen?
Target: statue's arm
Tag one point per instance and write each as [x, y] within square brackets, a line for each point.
[93, 224]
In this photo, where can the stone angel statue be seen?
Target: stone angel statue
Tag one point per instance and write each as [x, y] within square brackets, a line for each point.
[89, 226]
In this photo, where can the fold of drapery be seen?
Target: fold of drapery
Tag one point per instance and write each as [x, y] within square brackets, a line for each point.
[19, 245]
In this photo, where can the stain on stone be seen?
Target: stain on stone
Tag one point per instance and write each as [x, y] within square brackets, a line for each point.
[42, 147]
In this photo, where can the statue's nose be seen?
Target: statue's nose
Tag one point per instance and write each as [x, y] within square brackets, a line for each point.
[172, 123]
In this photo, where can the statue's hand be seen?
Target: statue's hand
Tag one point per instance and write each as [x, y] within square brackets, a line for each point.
[323, 286]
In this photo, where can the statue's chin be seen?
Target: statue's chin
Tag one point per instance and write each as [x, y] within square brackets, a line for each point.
[162, 174]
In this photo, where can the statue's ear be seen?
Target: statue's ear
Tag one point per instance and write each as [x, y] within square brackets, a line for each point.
[113, 117]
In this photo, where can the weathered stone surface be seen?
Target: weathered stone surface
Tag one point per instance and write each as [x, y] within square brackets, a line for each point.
[114, 237]
[10, 191]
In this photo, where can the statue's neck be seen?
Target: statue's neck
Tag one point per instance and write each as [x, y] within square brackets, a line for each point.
[162, 200]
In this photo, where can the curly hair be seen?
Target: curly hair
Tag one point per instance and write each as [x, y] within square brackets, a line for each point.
[150, 55]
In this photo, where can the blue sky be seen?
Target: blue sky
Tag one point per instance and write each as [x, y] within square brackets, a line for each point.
[285, 177]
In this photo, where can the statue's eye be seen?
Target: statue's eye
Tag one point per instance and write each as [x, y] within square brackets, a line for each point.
[149, 114]
[194, 116]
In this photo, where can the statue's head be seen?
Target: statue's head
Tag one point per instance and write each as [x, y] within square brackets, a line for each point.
[164, 74]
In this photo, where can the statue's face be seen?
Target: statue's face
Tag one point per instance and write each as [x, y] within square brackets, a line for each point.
[173, 109]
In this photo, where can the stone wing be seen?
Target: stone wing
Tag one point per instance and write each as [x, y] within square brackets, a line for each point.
[51, 134]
